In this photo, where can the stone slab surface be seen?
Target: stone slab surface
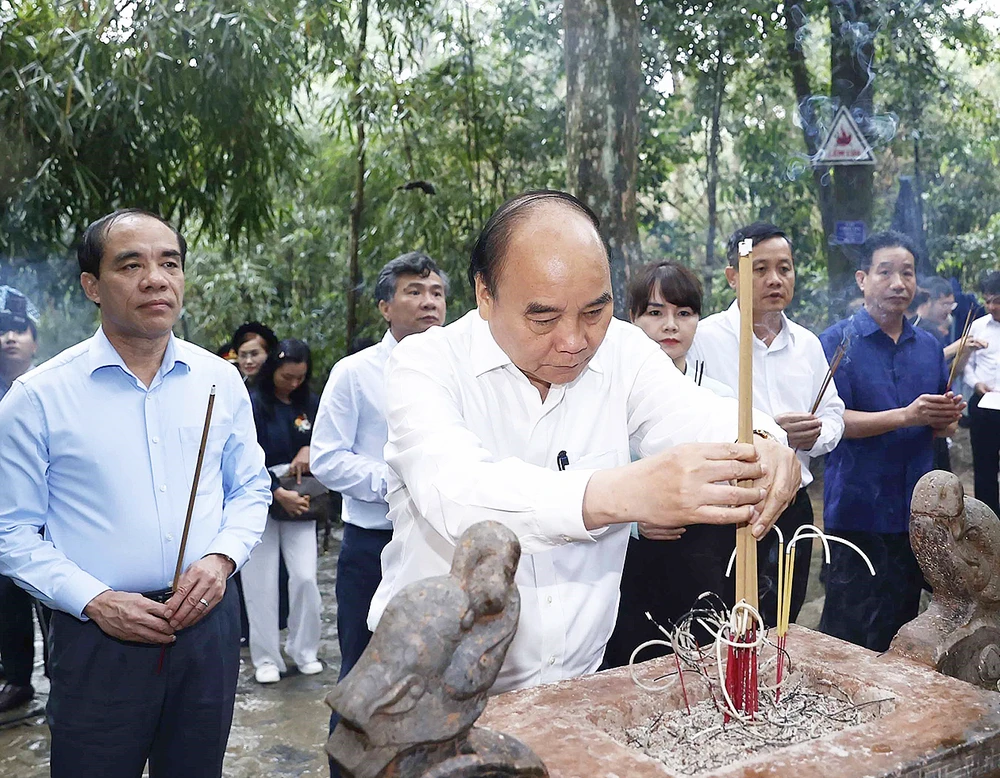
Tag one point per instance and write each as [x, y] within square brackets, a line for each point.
[937, 727]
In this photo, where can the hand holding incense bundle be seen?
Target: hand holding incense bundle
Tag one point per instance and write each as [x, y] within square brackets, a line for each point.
[963, 341]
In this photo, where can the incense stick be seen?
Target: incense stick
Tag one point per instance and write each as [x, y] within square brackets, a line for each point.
[834, 364]
[961, 348]
[194, 487]
[746, 546]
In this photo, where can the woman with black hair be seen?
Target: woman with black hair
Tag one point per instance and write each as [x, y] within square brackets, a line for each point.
[251, 345]
[284, 412]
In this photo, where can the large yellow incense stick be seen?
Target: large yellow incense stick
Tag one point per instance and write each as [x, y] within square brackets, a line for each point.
[746, 546]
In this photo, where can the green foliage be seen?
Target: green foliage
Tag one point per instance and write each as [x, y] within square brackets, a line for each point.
[235, 118]
[184, 109]
[454, 128]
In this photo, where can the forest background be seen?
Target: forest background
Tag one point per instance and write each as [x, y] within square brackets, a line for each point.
[300, 145]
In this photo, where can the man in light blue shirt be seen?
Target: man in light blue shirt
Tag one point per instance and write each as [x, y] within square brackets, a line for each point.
[350, 434]
[97, 451]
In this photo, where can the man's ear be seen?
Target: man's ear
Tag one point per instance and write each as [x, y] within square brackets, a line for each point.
[732, 277]
[383, 308]
[484, 300]
[90, 287]
[860, 276]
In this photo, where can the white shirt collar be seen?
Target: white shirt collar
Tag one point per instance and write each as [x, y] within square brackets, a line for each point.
[487, 355]
[785, 337]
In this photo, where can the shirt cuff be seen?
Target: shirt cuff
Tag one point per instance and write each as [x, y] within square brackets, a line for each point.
[79, 589]
[560, 510]
[231, 548]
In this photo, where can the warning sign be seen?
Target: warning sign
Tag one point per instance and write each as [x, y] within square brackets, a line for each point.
[845, 144]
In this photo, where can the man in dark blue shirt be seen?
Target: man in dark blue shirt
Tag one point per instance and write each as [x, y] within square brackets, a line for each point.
[892, 381]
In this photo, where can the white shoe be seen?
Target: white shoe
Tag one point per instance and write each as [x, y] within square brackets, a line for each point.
[267, 674]
[311, 668]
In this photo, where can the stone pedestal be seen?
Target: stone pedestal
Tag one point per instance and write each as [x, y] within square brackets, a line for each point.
[935, 727]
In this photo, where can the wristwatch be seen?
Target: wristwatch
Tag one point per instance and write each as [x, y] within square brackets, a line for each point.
[764, 434]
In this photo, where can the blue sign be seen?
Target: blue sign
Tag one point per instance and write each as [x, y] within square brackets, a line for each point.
[852, 233]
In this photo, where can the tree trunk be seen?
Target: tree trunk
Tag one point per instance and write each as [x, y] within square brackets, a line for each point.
[714, 142]
[358, 201]
[602, 131]
[852, 54]
[794, 26]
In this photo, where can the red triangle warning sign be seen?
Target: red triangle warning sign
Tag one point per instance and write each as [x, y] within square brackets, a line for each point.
[845, 144]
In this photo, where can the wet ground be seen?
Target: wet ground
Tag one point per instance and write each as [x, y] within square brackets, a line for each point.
[279, 730]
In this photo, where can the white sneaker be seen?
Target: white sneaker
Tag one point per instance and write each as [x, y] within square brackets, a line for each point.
[267, 674]
[311, 668]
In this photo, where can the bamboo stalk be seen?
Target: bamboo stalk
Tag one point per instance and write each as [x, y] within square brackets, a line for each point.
[194, 487]
[746, 546]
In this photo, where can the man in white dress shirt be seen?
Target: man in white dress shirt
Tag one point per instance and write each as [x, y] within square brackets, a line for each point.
[483, 415]
[788, 371]
[982, 372]
[349, 436]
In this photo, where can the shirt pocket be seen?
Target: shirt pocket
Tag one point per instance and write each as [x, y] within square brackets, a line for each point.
[602, 461]
[210, 478]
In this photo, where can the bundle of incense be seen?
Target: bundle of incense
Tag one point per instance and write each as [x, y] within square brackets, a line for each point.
[834, 364]
[961, 348]
[786, 573]
[741, 668]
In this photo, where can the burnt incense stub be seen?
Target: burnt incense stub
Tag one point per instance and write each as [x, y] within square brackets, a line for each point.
[956, 540]
[409, 705]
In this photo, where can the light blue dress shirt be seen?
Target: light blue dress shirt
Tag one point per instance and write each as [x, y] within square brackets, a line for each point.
[104, 466]
[346, 452]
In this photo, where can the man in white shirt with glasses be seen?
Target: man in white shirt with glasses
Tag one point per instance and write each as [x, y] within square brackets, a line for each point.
[524, 412]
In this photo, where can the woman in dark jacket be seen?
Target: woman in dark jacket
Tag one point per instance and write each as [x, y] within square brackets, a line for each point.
[284, 412]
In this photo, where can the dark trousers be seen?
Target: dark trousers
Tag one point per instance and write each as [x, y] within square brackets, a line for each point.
[794, 516]
[866, 610]
[17, 633]
[984, 432]
[359, 572]
[110, 709]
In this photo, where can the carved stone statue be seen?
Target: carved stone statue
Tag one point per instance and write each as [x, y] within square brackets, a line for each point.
[956, 540]
[408, 706]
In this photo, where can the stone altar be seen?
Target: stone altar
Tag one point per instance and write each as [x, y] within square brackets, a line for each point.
[936, 726]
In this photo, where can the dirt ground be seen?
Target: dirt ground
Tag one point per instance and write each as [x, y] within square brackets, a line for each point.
[279, 730]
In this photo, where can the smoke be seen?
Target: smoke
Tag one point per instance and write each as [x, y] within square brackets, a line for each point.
[816, 113]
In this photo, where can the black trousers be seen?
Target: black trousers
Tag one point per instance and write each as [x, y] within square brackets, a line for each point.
[866, 610]
[17, 633]
[984, 432]
[794, 516]
[359, 572]
[110, 709]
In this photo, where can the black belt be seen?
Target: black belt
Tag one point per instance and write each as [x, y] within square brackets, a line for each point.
[160, 595]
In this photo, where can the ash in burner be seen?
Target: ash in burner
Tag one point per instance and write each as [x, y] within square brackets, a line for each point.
[695, 742]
